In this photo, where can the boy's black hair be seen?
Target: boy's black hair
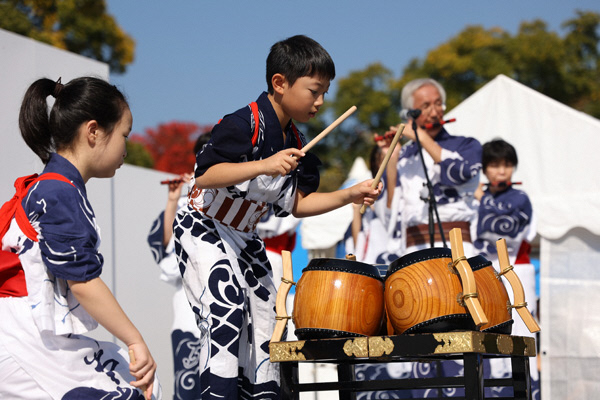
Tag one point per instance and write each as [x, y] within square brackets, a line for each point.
[498, 150]
[296, 57]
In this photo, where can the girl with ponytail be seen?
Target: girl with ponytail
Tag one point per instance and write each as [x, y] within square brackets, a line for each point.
[51, 292]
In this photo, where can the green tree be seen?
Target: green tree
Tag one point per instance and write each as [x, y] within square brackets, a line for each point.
[566, 69]
[137, 154]
[79, 26]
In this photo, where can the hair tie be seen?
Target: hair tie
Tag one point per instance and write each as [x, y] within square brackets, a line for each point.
[57, 88]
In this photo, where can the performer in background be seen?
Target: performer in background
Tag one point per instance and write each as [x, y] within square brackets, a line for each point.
[506, 212]
[453, 165]
[252, 163]
[185, 336]
[367, 236]
[58, 294]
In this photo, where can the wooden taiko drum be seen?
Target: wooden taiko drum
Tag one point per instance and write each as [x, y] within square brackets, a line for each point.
[492, 296]
[338, 298]
[422, 294]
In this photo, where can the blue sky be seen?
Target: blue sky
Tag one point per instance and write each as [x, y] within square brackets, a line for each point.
[197, 60]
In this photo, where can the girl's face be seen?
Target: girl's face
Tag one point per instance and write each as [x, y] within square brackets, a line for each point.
[111, 147]
[499, 171]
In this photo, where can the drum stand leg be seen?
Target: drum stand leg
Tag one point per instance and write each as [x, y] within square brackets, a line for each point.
[346, 374]
[289, 380]
[521, 378]
[473, 376]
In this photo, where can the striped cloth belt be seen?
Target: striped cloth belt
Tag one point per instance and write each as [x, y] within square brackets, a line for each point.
[239, 214]
[419, 234]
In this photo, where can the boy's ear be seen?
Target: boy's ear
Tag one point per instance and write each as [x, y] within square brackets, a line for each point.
[279, 83]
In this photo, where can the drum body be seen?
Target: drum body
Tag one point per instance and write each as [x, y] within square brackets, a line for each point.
[422, 294]
[338, 298]
[492, 296]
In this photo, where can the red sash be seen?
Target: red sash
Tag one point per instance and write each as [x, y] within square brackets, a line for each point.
[12, 277]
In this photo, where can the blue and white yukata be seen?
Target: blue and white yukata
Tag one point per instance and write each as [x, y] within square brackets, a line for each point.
[43, 354]
[185, 336]
[226, 273]
[454, 182]
[278, 234]
[509, 215]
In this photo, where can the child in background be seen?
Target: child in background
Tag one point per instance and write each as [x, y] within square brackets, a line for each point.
[185, 337]
[252, 163]
[52, 228]
[506, 212]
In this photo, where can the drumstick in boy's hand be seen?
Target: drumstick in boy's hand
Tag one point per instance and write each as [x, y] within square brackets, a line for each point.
[385, 161]
[142, 388]
[331, 127]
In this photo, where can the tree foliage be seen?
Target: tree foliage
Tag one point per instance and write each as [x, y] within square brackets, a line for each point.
[171, 145]
[565, 68]
[137, 153]
[79, 26]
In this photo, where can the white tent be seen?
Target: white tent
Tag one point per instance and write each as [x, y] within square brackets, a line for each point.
[558, 154]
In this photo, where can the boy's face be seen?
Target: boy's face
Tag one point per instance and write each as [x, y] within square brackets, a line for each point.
[302, 100]
[499, 171]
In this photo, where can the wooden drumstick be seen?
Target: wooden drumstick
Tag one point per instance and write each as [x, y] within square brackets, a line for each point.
[385, 161]
[282, 294]
[331, 127]
[459, 261]
[518, 292]
[142, 388]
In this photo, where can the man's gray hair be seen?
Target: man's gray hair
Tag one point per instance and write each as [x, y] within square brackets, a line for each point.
[411, 87]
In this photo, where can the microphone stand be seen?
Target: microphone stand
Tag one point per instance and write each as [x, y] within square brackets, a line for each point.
[430, 199]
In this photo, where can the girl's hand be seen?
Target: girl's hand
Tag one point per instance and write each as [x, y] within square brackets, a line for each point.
[282, 163]
[143, 367]
[362, 193]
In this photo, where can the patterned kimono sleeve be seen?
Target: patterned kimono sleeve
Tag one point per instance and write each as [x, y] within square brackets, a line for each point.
[67, 225]
[231, 142]
[461, 164]
[155, 239]
[308, 173]
[163, 255]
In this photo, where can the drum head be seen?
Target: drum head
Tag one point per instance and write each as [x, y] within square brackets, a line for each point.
[342, 265]
[418, 256]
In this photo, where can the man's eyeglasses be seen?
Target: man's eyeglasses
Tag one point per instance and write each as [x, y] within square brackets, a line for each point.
[427, 107]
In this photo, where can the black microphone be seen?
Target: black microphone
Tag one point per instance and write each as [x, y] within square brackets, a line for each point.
[412, 113]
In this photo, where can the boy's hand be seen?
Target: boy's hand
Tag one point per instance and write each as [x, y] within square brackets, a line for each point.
[479, 191]
[282, 162]
[363, 194]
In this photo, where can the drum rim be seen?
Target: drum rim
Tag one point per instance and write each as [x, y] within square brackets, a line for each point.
[343, 265]
[418, 256]
[478, 262]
